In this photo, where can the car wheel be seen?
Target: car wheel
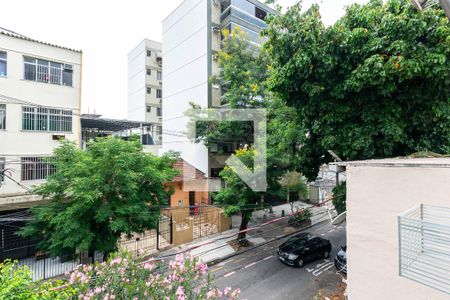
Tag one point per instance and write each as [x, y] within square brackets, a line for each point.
[326, 254]
[300, 263]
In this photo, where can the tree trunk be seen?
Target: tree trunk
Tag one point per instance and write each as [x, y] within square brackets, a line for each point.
[245, 218]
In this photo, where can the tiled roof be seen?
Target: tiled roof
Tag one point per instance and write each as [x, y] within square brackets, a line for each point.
[187, 171]
[10, 33]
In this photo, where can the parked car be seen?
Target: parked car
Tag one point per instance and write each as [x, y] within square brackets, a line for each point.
[302, 248]
[340, 260]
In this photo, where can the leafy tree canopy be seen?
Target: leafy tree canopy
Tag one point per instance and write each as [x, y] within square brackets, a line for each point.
[98, 194]
[375, 84]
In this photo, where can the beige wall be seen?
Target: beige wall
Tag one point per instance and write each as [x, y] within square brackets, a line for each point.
[376, 195]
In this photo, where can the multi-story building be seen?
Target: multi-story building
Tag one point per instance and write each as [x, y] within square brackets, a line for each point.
[145, 85]
[40, 100]
[191, 38]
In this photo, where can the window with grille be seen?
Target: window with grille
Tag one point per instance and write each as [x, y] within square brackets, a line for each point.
[149, 108]
[2, 116]
[159, 75]
[46, 119]
[47, 71]
[2, 169]
[36, 168]
[149, 53]
[149, 90]
[158, 93]
[149, 71]
[3, 64]
[158, 111]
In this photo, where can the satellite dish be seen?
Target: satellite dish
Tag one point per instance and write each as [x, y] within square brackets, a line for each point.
[339, 219]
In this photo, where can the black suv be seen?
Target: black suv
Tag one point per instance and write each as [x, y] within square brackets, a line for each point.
[304, 247]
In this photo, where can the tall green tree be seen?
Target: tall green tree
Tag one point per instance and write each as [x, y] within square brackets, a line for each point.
[375, 84]
[98, 194]
[238, 197]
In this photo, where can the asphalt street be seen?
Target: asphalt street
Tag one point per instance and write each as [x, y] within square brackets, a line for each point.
[260, 275]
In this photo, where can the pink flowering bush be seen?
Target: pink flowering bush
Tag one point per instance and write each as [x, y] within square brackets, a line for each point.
[122, 277]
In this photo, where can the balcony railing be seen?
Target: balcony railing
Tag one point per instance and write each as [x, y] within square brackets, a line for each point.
[424, 246]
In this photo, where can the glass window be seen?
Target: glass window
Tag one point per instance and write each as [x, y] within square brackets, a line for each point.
[149, 108]
[159, 130]
[159, 75]
[149, 53]
[158, 93]
[46, 119]
[2, 168]
[149, 90]
[149, 71]
[259, 13]
[2, 116]
[158, 111]
[3, 64]
[47, 71]
[36, 168]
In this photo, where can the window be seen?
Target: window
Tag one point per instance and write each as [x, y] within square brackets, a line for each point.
[2, 168]
[159, 75]
[3, 65]
[159, 130]
[149, 71]
[158, 93]
[149, 53]
[149, 90]
[158, 111]
[149, 108]
[46, 119]
[36, 168]
[47, 71]
[2, 116]
[260, 14]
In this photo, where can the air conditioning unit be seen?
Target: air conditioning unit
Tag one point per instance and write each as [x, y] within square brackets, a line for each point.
[58, 137]
[68, 67]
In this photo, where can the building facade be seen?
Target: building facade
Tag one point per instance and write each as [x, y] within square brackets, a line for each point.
[398, 228]
[40, 101]
[191, 38]
[145, 85]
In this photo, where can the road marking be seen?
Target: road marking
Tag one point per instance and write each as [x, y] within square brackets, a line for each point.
[216, 269]
[309, 270]
[252, 264]
[322, 269]
[322, 234]
[229, 274]
[266, 258]
[225, 262]
[240, 259]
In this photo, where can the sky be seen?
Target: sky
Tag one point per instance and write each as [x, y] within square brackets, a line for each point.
[106, 31]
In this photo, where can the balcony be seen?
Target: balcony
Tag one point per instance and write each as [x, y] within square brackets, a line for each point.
[424, 246]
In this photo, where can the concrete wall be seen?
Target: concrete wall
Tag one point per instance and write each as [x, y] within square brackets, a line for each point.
[185, 77]
[15, 142]
[376, 195]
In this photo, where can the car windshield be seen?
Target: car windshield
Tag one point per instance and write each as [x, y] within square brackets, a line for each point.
[296, 241]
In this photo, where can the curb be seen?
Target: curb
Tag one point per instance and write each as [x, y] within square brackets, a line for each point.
[219, 260]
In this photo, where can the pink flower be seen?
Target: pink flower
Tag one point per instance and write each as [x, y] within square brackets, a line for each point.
[210, 294]
[235, 293]
[180, 293]
[226, 290]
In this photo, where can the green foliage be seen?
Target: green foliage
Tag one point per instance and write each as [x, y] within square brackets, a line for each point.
[373, 85]
[340, 197]
[16, 284]
[95, 196]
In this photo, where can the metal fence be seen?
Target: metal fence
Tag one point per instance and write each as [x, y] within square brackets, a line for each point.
[424, 246]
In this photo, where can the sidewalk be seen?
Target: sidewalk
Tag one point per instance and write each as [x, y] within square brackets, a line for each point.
[214, 247]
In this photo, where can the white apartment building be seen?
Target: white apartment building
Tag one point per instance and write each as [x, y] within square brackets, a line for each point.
[191, 38]
[40, 100]
[145, 85]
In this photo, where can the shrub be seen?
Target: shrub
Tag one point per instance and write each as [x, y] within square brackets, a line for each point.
[340, 197]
